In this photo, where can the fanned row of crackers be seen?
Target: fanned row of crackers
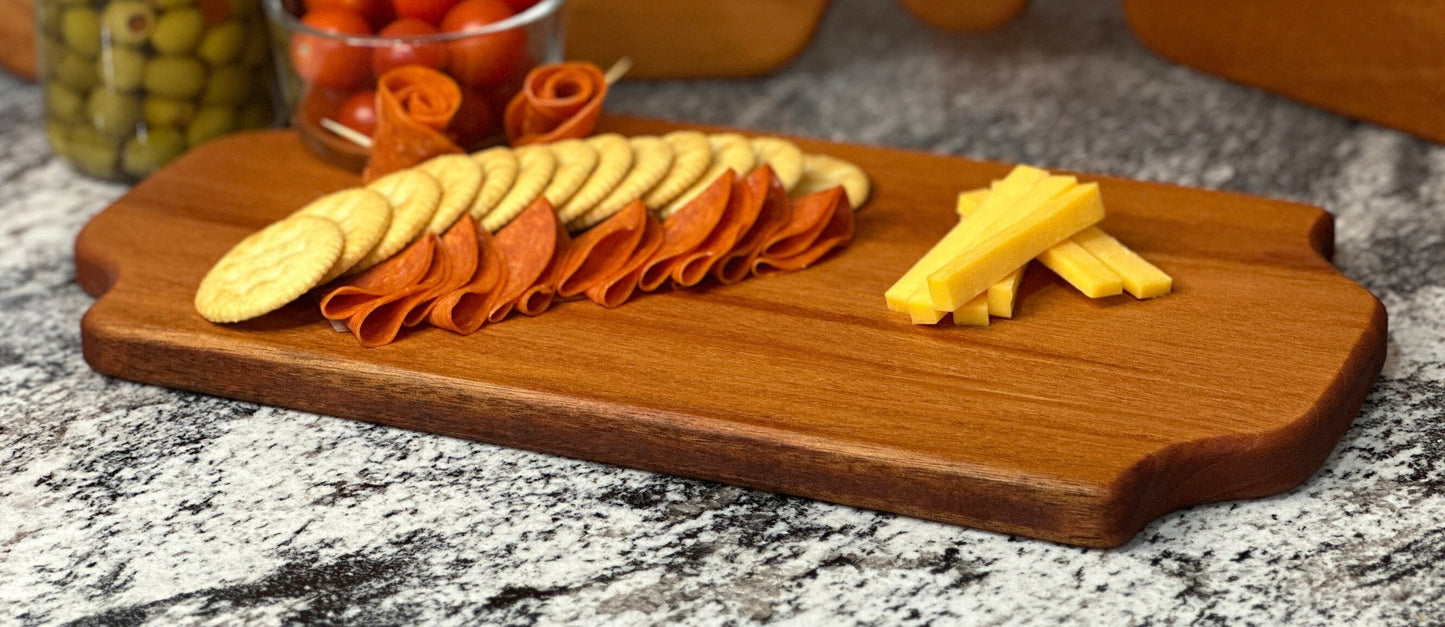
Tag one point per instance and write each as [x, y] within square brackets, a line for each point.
[585, 180]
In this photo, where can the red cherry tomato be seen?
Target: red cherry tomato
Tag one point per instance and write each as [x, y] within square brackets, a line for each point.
[519, 6]
[327, 62]
[359, 112]
[429, 11]
[430, 54]
[474, 122]
[488, 59]
[377, 13]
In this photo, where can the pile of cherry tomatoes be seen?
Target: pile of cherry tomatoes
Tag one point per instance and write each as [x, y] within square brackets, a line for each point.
[341, 78]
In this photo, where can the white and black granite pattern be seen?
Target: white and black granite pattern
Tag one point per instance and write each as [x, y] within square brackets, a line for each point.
[125, 504]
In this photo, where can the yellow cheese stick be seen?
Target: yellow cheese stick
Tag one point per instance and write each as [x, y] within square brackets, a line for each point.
[1069, 260]
[974, 313]
[1082, 270]
[1000, 295]
[904, 295]
[1141, 278]
[990, 218]
[1034, 232]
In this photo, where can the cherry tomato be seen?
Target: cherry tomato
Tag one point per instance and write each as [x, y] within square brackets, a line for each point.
[429, 11]
[330, 63]
[359, 112]
[474, 122]
[519, 6]
[430, 54]
[377, 13]
[488, 59]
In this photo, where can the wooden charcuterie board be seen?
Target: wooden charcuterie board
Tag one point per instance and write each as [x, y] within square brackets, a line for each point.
[1078, 421]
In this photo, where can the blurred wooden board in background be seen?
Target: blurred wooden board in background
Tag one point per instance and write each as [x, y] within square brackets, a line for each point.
[1377, 60]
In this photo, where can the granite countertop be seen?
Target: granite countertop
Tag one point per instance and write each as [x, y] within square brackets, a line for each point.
[123, 503]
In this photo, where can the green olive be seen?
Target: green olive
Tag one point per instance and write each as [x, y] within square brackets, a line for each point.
[147, 152]
[129, 22]
[160, 111]
[93, 153]
[175, 77]
[63, 103]
[228, 86]
[258, 114]
[80, 29]
[257, 49]
[210, 123]
[113, 113]
[59, 136]
[121, 68]
[76, 71]
[178, 31]
[222, 44]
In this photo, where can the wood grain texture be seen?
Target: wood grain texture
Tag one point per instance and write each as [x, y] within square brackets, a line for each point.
[690, 39]
[1381, 61]
[1079, 421]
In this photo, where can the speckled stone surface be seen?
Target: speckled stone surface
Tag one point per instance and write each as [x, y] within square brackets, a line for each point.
[126, 504]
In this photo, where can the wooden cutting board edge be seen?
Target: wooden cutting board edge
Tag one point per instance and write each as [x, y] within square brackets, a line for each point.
[1214, 469]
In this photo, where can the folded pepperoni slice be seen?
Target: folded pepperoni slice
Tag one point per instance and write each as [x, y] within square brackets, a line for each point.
[464, 310]
[354, 294]
[602, 250]
[836, 232]
[744, 204]
[773, 214]
[458, 252]
[528, 242]
[684, 230]
[536, 299]
[557, 101]
[379, 322]
[414, 104]
[807, 221]
[617, 289]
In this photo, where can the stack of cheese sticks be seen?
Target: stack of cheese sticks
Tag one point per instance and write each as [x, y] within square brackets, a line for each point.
[974, 271]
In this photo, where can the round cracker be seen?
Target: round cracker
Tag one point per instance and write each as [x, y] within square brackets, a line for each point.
[575, 161]
[460, 178]
[651, 159]
[363, 216]
[414, 196]
[691, 157]
[269, 268]
[729, 151]
[822, 172]
[499, 171]
[614, 161]
[783, 156]
[535, 165]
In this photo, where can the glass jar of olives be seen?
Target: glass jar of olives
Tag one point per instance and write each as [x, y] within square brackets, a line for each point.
[131, 84]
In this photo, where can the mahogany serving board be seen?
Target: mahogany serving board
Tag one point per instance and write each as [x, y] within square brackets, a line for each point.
[1078, 421]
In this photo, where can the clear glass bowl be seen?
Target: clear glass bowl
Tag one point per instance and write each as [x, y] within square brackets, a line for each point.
[132, 84]
[329, 76]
